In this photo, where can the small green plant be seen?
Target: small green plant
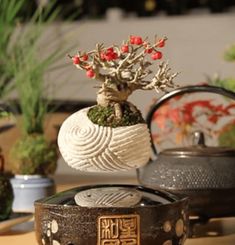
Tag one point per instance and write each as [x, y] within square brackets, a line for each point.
[227, 136]
[229, 82]
[229, 54]
[32, 153]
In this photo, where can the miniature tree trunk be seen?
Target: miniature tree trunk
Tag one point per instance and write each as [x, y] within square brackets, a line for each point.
[115, 96]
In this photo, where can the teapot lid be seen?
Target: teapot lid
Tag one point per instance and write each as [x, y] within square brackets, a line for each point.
[198, 148]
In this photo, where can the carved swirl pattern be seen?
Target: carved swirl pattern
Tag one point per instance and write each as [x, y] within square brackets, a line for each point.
[112, 197]
[93, 148]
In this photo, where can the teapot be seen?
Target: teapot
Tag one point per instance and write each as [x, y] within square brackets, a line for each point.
[203, 173]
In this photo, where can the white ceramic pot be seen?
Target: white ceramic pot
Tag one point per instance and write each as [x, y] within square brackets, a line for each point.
[29, 188]
[89, 147]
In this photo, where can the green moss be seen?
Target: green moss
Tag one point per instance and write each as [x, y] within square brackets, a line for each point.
[33, 154]
[6, 197]
[105, 116]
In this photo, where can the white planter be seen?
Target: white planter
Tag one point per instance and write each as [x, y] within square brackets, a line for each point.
[89, 147]
[29, 188]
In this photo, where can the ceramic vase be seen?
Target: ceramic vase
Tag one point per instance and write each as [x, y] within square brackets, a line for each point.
[29, 188]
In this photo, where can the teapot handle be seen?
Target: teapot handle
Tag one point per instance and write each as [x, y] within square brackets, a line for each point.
[181, 91]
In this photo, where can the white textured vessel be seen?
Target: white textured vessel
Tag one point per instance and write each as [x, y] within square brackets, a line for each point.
[89, 147]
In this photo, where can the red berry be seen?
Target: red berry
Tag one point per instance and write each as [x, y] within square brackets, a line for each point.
[132, 39]
[125, 48]
[157, 55]
[90, 73]
[148, 50]
[114, 55]
[76, 60]
[110, 50]
[138, 40]
[108, 56]
[85, 57]
[161, 43]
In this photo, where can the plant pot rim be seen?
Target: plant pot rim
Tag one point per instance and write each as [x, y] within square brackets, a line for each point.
[31, 181]
[29, 176]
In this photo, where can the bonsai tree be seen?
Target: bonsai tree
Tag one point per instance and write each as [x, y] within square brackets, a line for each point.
[112, 135]
[121, 70]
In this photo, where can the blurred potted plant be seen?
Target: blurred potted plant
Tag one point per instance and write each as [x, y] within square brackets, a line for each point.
[33, 157]
[229, 82]
[112, 135]
[8, 17]
[227, 135]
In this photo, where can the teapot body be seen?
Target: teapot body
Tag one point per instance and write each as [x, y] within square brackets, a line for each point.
[205, 174]
[209, 182]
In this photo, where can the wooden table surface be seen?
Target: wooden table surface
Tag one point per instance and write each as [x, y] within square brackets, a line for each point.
[216, 232]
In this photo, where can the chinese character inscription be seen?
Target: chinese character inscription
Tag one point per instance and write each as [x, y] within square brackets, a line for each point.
[119, 230]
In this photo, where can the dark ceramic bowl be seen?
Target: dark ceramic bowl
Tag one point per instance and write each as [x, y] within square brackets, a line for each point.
[111, 214]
